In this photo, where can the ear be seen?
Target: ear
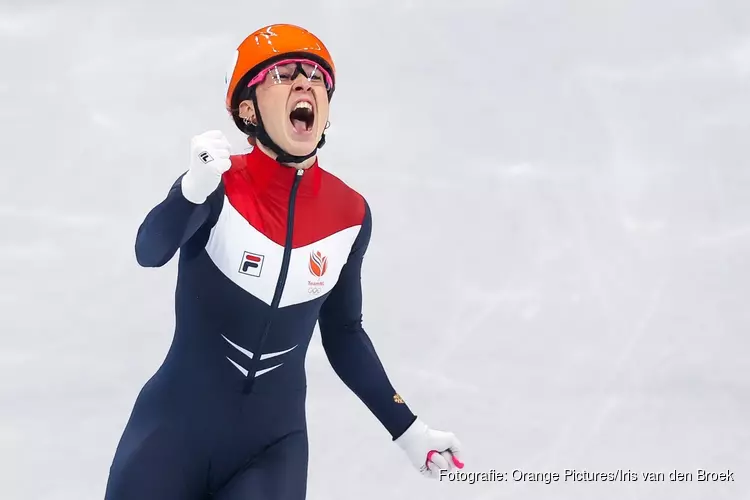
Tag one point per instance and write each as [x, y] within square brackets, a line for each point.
[247, 111]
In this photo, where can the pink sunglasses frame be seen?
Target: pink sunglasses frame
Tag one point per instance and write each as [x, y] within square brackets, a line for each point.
[262, 75]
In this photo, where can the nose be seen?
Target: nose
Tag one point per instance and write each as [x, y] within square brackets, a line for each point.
[301, 83]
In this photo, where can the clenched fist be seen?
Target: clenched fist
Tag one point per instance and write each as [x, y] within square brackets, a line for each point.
[429, 450]
[209, 159]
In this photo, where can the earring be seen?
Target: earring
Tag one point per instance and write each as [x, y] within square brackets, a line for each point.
[328, 124]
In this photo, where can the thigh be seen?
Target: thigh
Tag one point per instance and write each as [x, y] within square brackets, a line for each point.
[156, 459]
[279, 473]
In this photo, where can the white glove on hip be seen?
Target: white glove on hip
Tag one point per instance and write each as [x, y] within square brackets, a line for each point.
[430, 450]
[209, 159]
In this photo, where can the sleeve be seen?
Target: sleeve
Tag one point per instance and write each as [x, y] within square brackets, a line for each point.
[171, 223]
[350, 350]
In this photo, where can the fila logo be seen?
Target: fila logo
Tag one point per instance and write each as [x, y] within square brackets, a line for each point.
[318, 264]
[252, 264]
[205, 157]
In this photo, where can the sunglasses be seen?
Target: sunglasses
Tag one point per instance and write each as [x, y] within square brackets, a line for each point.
[287, 71]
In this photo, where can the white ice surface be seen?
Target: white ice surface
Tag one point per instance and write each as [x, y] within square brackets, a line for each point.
[560, 265]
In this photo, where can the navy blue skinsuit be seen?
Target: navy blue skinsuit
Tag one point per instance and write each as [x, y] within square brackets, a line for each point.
[271, 252]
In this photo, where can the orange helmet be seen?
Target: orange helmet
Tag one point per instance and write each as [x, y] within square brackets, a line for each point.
[265, 45]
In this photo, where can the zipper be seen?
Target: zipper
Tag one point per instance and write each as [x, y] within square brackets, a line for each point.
[257, 353]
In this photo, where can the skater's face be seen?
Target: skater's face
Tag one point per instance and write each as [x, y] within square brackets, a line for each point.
[293, 102]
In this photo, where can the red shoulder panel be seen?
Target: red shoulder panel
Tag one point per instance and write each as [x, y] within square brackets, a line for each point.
[333, 208]
[259, 189]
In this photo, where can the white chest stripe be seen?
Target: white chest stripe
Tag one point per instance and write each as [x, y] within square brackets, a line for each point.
[249, 354]
[253, 262]
[258, 373]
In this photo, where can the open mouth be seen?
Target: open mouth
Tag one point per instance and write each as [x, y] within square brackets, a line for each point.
[302, 117]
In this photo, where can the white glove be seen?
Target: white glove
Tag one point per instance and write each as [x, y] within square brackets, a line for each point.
[209, 159]
[430, 450]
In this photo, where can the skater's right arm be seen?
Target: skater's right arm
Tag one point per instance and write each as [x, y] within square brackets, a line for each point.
[188, 206]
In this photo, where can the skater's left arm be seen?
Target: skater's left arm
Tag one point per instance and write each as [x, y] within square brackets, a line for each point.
[349, 348]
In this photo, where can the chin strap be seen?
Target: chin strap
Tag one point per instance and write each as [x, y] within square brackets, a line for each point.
[282, 156]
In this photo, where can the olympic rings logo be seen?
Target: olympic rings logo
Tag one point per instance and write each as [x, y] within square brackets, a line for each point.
[314, 290]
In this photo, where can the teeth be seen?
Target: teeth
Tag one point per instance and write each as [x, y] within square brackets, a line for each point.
[303, 105]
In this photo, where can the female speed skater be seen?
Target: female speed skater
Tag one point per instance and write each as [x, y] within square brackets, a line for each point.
[269, 245]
